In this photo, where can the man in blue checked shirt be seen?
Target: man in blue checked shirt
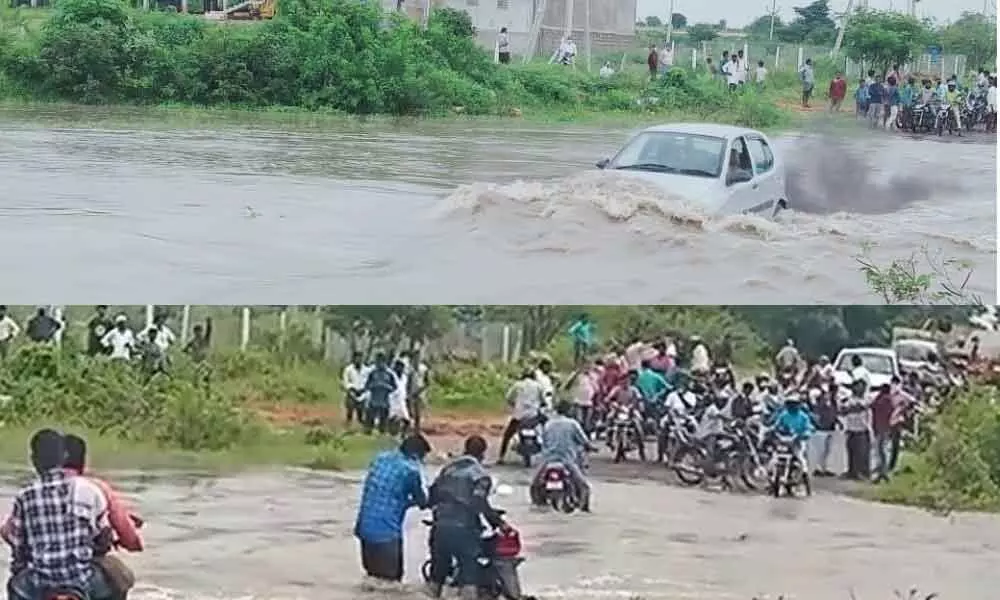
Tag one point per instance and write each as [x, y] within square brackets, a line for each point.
[56, 529]
[393, 485]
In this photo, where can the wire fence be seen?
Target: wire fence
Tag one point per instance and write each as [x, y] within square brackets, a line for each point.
[268, 327]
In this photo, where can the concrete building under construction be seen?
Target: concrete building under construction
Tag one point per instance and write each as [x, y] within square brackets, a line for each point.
[612, 22]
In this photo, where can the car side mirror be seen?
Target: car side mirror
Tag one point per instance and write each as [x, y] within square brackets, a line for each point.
[738, 176]
[603, 163]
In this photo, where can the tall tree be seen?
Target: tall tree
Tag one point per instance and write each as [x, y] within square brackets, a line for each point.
[702, 32]
[760, 28]
[653, 21]
[884, 38]
[813, 24]
[975, 36]
[678, 21]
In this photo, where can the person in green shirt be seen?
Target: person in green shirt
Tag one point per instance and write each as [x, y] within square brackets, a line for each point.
[952, 97]
[651, 384]
[582, 334]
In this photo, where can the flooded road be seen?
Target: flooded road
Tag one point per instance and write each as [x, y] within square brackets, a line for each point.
[463, 212]
[287, 535]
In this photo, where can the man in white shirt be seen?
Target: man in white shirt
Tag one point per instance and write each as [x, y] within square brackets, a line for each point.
[9, 330]
[399, 413]
[859, 372]
[700, 360]
[735, 75]
[543, 375]
[666, 59]
[120, 339]
[760, 76]
[525, 399]
[606, 71]
[164, 336]
[353, 384]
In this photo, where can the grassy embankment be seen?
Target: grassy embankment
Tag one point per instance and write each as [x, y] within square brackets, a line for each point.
[186, 69]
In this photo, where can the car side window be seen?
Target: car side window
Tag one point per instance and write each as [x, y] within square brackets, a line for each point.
[763, 158]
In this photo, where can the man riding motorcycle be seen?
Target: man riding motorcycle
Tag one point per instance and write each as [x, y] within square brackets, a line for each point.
[459, 499]
[794, 420]
[564, 442]
[526, 397]
[628, 395]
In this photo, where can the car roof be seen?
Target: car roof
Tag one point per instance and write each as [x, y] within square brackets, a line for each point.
[868, 350]
[711, 129]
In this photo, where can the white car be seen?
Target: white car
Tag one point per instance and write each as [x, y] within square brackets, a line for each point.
[881, 363]
[723, 168]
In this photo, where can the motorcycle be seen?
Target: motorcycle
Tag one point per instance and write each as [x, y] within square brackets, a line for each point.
[528, 443]
[674, 431]
[921, 118]
[752, 459]
[973, 111]
[698, 461]
[623, 434]
[555, 488]
[497, 565]
[945, 119]
[786, 470]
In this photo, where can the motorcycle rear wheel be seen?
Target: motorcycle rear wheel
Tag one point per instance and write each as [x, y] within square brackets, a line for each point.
[689, 476]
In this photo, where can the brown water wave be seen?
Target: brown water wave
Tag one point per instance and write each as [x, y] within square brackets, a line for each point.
[458, 213]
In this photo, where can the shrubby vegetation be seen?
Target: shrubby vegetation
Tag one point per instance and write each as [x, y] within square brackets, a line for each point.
[955, 464]
[338, 55]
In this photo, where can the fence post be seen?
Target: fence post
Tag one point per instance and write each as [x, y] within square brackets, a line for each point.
[799, 63]
[245, 328]
[484, 346]
[150, 310]
[57, 313]
[505, 343]
[777, 56]
[956, 65]
[185, 323]
[694, 58]
[746, 53]
[282, 327]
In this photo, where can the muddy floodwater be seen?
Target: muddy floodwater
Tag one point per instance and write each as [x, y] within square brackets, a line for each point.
[287, 535]
[463, 212]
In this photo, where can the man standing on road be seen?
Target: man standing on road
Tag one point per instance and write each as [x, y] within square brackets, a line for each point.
[857, 416]
[827, 421]
[393, 485]
[417, 380]
[838, 91]
[883, 411]
[8, 331]
[808, 79]
[97, 327]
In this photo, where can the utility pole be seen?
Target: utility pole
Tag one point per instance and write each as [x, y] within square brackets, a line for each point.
[774, 15]
[843, 28]
[670, 21]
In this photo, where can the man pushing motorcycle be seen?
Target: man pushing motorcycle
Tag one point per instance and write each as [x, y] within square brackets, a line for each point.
[565, 442]
[459, 499]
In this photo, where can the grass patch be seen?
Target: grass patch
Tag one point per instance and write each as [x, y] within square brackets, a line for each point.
[300, 447]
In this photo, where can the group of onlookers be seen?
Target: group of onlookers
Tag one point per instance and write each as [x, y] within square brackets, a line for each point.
[110, 336]
[388, 394]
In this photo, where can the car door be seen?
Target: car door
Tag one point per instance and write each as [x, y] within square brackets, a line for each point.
[742, 197]
[771, 184]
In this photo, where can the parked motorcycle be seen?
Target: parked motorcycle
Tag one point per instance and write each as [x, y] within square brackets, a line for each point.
[674, 431]
[787, 472]
[974, 111]
[752, 458]
[555, 488]
[716, 459]
[498, 563]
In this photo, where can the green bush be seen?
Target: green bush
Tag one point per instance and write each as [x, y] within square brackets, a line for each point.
[340, 55]
[957, 464]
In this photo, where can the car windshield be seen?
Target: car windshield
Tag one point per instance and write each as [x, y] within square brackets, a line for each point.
[915, 351]
[875, 363]
[671, 152]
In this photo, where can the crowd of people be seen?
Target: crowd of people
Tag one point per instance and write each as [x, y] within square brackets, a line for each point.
[387, 395]
[888, 101]
[113, 337]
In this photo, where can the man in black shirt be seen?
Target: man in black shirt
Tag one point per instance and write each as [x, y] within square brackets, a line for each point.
[99, 325]
[42, 328]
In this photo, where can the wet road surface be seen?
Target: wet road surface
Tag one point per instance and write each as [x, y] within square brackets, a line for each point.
[465, 212]
[287, 535]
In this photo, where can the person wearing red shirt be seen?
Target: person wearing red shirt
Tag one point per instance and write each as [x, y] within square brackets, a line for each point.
[838, 91]
[661, 362]
[653, 62]
[884, 412]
